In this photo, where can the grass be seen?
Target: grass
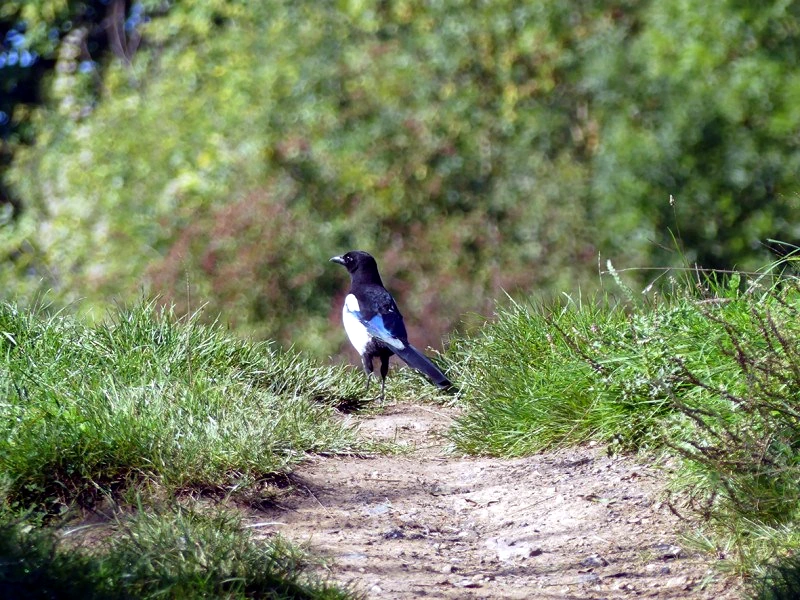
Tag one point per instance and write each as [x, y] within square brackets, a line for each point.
[781, 582]
[144, 408]
[144, 399]
[175, 553]
[147, 407]
[708, 372]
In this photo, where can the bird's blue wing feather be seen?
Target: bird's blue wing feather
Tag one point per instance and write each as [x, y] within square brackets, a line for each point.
[380, 327]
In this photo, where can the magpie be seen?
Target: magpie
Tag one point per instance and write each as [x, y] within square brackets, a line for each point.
[374, 324]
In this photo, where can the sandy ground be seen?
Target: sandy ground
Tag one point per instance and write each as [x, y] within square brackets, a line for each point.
[427, 523]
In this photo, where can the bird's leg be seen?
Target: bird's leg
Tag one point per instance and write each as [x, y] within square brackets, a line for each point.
[367, 360]
[384, 371]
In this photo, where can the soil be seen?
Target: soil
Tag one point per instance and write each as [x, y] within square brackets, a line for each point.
[429, 523]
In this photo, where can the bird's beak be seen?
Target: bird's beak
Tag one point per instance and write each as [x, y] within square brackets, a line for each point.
[337, 259]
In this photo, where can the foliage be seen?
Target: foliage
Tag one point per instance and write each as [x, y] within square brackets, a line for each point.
[704, 116]
[175, 553]
[142, 399]
[474, 148]
[58, 40]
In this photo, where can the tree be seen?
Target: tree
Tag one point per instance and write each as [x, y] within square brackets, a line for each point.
[706, 113]
[476, 149]
[40, 35]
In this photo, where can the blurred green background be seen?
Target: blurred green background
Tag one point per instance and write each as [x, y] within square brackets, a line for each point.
[216, 153]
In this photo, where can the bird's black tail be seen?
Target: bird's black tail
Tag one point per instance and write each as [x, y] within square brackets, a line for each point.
[416, 359]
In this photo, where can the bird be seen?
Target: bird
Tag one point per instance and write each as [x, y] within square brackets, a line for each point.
[374, 325]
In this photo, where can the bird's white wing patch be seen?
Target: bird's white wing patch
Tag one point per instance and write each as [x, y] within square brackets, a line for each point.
[351, 303]
[356, 331]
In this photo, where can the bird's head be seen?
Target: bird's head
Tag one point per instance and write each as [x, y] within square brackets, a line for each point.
[361, 266]
[356, 260]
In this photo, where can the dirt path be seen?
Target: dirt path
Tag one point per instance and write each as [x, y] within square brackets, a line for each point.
[430, 524]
